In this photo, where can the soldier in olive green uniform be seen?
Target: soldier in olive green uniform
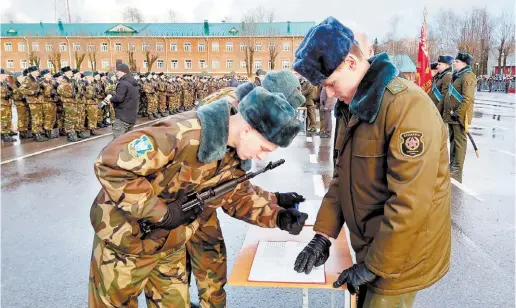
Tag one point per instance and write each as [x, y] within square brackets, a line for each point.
[149, 90]
[80, 101]
[162, 95]
[90, 94]
[441, 82]
[58, 77]
[162, 164]
[67, 93]
[22, 108]
[49, 105]
[170, 94]
[32, 90]
[6, 108]
[459, 104]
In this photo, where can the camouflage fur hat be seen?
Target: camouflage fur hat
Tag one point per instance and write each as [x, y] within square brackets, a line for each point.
[271, 115]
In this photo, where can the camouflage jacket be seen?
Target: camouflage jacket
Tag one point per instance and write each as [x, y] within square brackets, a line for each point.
[170, 89]
[162, 86]
[65, 90]
[6, 93]
[142, 169]
[228, 94]
[148, 88]
[31, 89]
[90, 94]
[48, 88]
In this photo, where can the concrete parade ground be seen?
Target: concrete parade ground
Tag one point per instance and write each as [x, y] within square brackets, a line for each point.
[46, 237]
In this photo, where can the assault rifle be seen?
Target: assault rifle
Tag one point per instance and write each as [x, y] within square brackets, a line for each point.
[197, 199]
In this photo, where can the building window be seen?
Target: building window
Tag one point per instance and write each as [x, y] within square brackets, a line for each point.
[91, 47]
[64, 63]
[215, 64]
[188, 64]
[118, 47]
[269, 65]
[50, 65]
[76, 47]
[62, 47]
[104, 47]
[173, 47]
[35, 46]
[243, 46]
[159, 47]
[229, 47]
[229, 63]
[160, 64]
[201, 47]
[131, 47]
[21, 46]
[105, 63]
[202, 64]
[145, 47]
[49, 47]
[24, 64]
[145, 64]
[286, 46]
[187, 48]
[258, 47]
[10, 63]
[285, 64]
[8, 47]
[242, 64]
[214, 46]
[174, 64]
[257, 64]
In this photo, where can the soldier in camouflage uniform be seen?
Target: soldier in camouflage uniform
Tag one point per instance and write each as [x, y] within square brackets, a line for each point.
[49, 105]
[80, 101]
[114, 82]
[90, 94]
[6, 108]
[32, 90]
[170, 94]
[22, 108]
[160, 165]
[67, 94]
[101, 83]
[58, 77]
[150, 90]
[188, 95]
[162, 95]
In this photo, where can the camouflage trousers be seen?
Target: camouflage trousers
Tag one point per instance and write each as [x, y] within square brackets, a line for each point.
[188, 101]
[208, 259]
[6, 118]
[36, 116]
[152, 104]
[60, 116]
[100, 115]
[176, 101]
[116, 279]
[49, 115]
[112, 113]
[23, 116]
[80, 118]
[91, 115]
[70, 114]
[162, 105]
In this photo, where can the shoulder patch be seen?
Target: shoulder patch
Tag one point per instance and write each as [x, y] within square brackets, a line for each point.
[412, 144]
[396, 86]
[141, 146]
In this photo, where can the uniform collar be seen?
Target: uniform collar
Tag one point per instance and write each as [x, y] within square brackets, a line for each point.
[461, 72]
[446, 71]
[368, 98]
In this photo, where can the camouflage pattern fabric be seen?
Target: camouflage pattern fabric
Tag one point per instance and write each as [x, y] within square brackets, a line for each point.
[228, 93]
[141, 169]
[69, 117]
[23, 115]
[36, 116]
[66, 93]
[111, 113]
[49, 115]
[162, 96]
[188, 98]
[91, 107]
[6, 118]
[148, 89]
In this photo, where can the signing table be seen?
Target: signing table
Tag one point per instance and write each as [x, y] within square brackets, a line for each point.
[340, 259]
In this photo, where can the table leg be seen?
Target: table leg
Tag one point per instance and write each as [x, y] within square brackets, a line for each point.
[305, 298]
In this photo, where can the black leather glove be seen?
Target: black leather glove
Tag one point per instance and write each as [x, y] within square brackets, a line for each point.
[314, 254]
[291, 220]
[175, 215]
[454, 116]
[288, 200]
[355, 276]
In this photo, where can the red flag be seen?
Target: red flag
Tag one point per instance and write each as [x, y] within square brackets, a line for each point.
[423, 74]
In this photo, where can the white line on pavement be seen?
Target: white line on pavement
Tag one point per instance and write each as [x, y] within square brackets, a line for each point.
[68, 144]
[313, 158]
[506, 152]
[466, 189]
[309, 139]
[318, 185]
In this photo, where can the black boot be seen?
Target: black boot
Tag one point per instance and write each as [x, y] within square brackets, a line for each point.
[94, 132]
[24, 135]
[48, 134]
[62, 132]
[39, 138]
[71, 137]
[11, 133]
[156, 115]
[151, 117]
[163, 114]
[81, 135]
[7, 138]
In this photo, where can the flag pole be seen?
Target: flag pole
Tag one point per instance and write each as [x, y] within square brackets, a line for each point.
[425, 13]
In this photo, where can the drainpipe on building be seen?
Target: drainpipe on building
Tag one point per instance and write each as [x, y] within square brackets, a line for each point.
[28, 53]
[110, 54]
[70, 52]
[166, 54]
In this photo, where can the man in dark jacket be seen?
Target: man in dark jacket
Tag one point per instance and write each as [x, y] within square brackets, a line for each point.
[125, 101]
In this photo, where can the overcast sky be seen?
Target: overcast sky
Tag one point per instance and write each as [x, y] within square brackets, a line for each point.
[370, 16]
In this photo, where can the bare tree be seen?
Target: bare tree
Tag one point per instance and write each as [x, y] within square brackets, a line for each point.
[151, 58]
[273, 41]
[34, 59]
[92, 56]
[250, 31]
[504, 37]
[172, 15]
[55, 59]
[132, 14]
[79, 58]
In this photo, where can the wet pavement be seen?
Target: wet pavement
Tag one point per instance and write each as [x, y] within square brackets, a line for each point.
[46, 236]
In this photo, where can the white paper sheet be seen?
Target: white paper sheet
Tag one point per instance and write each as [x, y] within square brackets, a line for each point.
[311, 207]
[274, 262]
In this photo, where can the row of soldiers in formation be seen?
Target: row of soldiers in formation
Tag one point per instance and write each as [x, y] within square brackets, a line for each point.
[71, 101]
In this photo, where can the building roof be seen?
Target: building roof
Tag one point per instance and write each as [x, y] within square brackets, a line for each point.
[152, 29]
[403, 63]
